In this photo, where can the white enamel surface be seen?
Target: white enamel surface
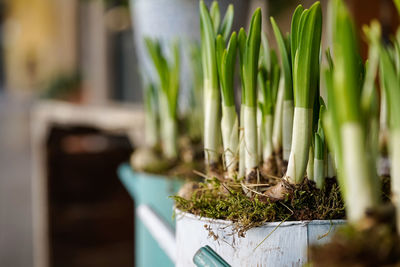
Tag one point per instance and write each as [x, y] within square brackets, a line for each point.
[286, 244]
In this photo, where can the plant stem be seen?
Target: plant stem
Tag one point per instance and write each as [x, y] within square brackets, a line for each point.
[360, 192]
[211, 86]
[395, 172]
[268, 148]
[151, 130]
[249, 63]
[211, 123]
[319, 175]
[331, 167]
[287, 123]
[305, 84]
[302, 123]
[277, 129]
[230, 138]
[250, 138]
[319, 159]
[242, 148]
[310, 165]
[260, 130]
[288, 103]
[169, 130]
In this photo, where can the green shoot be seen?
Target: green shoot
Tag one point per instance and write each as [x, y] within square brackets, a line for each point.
[391, 86]
[305, 84]
[211, 87]
[287, 112]
[196, 119]
[151, 118]
[249, 50]
[168, 74]
[344, 121]
[226, 59]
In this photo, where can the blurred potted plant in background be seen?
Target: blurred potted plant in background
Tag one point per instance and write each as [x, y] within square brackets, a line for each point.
[174, 135]
[372, 237]
[65, 86]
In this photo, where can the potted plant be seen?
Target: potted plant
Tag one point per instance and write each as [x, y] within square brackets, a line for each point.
[168, 20]
[371, 238]
[244, 210]
[170, 151]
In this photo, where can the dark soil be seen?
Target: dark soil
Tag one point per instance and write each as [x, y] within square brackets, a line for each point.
[378, 245]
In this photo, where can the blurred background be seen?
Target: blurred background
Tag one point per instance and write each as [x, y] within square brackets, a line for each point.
[70, 113]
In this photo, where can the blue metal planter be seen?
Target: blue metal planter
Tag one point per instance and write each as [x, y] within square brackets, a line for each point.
[154, 191]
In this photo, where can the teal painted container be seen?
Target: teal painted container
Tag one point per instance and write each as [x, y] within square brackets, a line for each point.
[152, 190]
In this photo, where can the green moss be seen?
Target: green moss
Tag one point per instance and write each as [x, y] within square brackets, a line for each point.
[227, 201]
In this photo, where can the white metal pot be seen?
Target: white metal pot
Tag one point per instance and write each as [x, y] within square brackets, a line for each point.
[272, 244]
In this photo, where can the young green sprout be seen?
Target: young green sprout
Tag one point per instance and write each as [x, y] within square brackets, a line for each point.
[305, 84]
[287, 108]
[268, 86]
[195, 128]
[168, 78]
[278, 119]
[242, 36]
[344, 120]
[390, 74]
[151, 117]
[210, 28]
[319, 151]
[226, 59]
[249, 51]
[271, 102]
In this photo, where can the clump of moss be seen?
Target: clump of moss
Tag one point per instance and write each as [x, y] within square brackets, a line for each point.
[227, 201]
[378, 245]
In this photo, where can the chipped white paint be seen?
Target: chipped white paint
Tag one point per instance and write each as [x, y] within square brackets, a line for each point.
[286, 243]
